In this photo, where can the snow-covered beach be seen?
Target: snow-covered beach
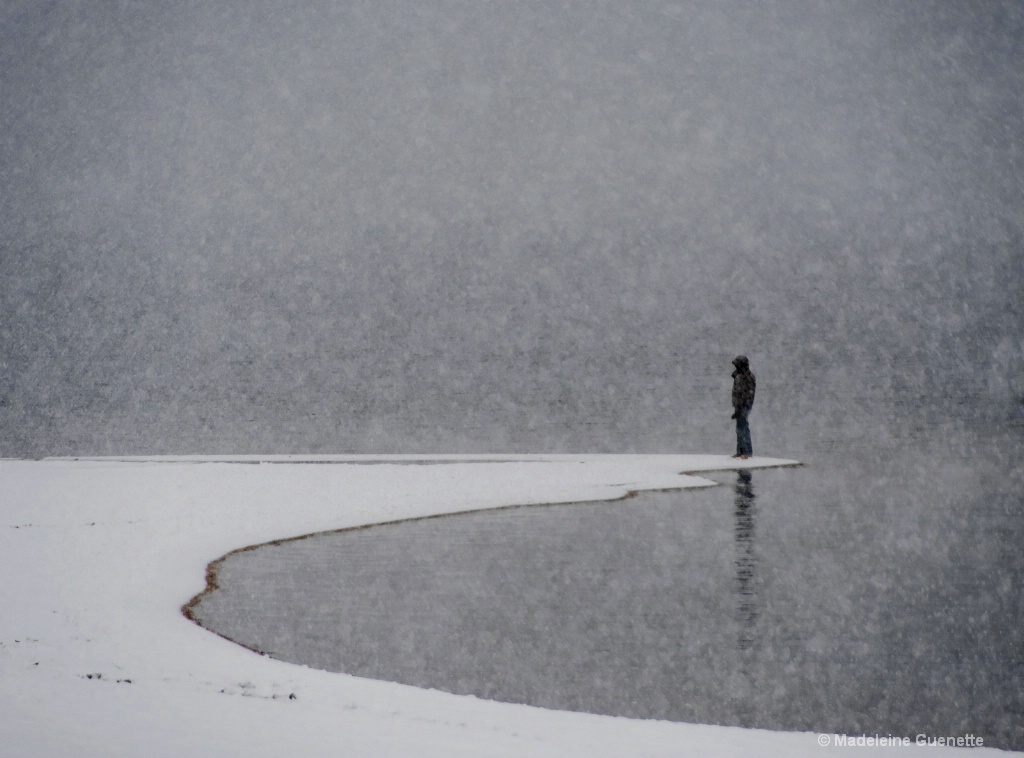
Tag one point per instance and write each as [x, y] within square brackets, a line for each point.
[99, 556]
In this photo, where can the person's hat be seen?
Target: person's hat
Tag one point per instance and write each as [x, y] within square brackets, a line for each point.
[740, 361]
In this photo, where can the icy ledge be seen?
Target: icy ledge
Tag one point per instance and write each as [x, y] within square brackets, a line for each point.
[99, 555]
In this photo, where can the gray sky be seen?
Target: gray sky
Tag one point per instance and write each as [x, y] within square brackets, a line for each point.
[235, 227]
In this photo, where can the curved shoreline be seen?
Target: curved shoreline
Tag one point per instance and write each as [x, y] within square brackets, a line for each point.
[97, 659]
[212, 569]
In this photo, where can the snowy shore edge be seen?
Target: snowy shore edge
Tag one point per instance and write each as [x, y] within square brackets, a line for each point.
[100, 554]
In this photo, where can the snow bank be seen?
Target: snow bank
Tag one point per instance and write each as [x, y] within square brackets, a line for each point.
[98, 556]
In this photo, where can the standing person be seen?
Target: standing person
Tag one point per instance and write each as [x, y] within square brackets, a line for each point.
[743, 386]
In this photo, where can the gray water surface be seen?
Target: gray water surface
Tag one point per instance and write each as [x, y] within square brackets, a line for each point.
[441, 227]
[872, 592]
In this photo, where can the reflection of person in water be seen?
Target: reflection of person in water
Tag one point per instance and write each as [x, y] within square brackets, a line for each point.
[746, 562]
[743, 386]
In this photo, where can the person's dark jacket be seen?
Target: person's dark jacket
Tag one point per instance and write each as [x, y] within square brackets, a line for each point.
[744, 385]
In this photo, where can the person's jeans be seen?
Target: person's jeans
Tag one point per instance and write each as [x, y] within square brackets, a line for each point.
[744, 446]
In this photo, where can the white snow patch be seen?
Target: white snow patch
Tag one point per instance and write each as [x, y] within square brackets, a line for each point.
[99, 555]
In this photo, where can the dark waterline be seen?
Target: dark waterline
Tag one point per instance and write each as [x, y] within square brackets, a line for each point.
[876, 593]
